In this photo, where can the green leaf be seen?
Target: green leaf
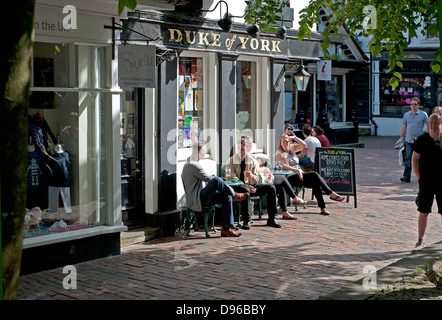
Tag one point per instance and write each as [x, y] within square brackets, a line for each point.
[398, 75]
[393, 82]
[300, 35]
[131, 4]
[435, 67]
[375, 50]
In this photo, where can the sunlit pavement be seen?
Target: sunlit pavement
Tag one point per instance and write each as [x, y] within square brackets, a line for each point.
[307, 258]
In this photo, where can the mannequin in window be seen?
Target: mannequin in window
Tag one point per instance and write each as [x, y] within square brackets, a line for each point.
[38, 174]
[59, 184]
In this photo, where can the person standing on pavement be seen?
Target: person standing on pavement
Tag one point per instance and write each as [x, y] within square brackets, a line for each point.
[426, 160]
[216, 191]
[244, 167]
[413, 126]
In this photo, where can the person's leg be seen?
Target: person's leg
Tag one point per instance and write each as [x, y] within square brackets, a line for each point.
[306, 162]
[245, 206]
[213, 190]
[424, 202]
[283, 188]
[439, 201]
[282, 197]
[270, 191]
[312, 179]
[422, 223]
[407, 168]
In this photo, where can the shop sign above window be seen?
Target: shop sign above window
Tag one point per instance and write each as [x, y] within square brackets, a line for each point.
[136, 66]
[232, 42]
[324, 70]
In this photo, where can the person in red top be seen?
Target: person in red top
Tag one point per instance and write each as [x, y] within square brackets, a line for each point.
[318, 132]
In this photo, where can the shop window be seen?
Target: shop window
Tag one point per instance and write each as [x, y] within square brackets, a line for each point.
[290, 108]
[190, 101]
[245, 96]
[333, 99]
[396, 101]
[67, 167]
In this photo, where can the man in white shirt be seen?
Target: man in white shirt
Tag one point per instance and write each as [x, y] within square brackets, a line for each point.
[307, 156]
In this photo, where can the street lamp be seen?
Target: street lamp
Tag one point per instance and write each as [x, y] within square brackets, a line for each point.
[301, 78]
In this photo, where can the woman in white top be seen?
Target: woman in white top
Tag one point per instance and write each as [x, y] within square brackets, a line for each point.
[286, 155]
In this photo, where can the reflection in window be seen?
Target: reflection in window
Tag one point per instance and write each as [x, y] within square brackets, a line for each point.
[333, 99]
[245, 95]
[396, 101]
[190, 101]
[66, 175]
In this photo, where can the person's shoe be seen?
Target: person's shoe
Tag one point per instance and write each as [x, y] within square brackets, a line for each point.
[230, 233]
[246, 225]
[337, 197]
[418, 246]
[240, 196]
[288, 216]
[405, 179]
[273, 223]
[298, 201]
[325, 212]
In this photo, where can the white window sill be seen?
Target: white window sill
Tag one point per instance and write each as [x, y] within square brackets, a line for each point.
[70, 235]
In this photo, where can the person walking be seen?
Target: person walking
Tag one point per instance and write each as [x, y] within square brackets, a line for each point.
[426, 160]
[413, 126]
[216, 191]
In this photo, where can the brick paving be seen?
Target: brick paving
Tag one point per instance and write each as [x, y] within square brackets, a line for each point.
[304, 260]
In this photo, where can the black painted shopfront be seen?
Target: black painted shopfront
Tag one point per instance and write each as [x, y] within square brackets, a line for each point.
[173, 36]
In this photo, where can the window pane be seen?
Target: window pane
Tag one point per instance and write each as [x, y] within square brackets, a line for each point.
[66, 184]
[245, 95]
[190, 101]
[333, 99]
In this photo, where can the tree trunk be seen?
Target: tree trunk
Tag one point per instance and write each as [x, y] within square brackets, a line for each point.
[15, 73]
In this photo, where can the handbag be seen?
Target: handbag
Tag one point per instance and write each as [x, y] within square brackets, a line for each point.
[266, 175]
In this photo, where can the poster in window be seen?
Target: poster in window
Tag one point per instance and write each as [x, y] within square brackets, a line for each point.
[187, 132]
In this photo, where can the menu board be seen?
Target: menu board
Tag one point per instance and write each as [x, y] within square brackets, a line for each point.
[336, 166]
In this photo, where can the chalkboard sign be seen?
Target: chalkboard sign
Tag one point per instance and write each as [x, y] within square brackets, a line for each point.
[337, 167]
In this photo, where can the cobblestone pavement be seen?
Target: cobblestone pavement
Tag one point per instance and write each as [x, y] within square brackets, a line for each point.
[304, 260]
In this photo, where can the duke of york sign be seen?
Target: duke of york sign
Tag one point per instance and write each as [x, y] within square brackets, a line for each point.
[223, 41]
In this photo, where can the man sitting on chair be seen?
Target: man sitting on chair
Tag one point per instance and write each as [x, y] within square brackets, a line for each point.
[245, 168]
[215, 192]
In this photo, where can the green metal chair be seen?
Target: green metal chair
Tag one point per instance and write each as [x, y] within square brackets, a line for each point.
[260, 200]
[207, 212]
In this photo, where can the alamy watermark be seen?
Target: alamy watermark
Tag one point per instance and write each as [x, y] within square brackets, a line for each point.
[70, 20]
[370, 19]
[370, 280]
[70, 281]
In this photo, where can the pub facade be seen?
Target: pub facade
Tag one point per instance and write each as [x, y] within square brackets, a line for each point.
[211, 85]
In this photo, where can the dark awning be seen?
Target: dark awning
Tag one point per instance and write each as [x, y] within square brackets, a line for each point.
[168, 31]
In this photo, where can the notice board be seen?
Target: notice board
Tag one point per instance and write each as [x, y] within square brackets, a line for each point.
[337, 167]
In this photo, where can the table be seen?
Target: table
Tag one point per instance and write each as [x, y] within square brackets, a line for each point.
[234, 183]
[282, 172]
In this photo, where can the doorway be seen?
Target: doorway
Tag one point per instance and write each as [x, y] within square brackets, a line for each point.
[131, 154]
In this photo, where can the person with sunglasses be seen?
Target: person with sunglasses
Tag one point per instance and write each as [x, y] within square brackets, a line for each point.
[413, 126]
